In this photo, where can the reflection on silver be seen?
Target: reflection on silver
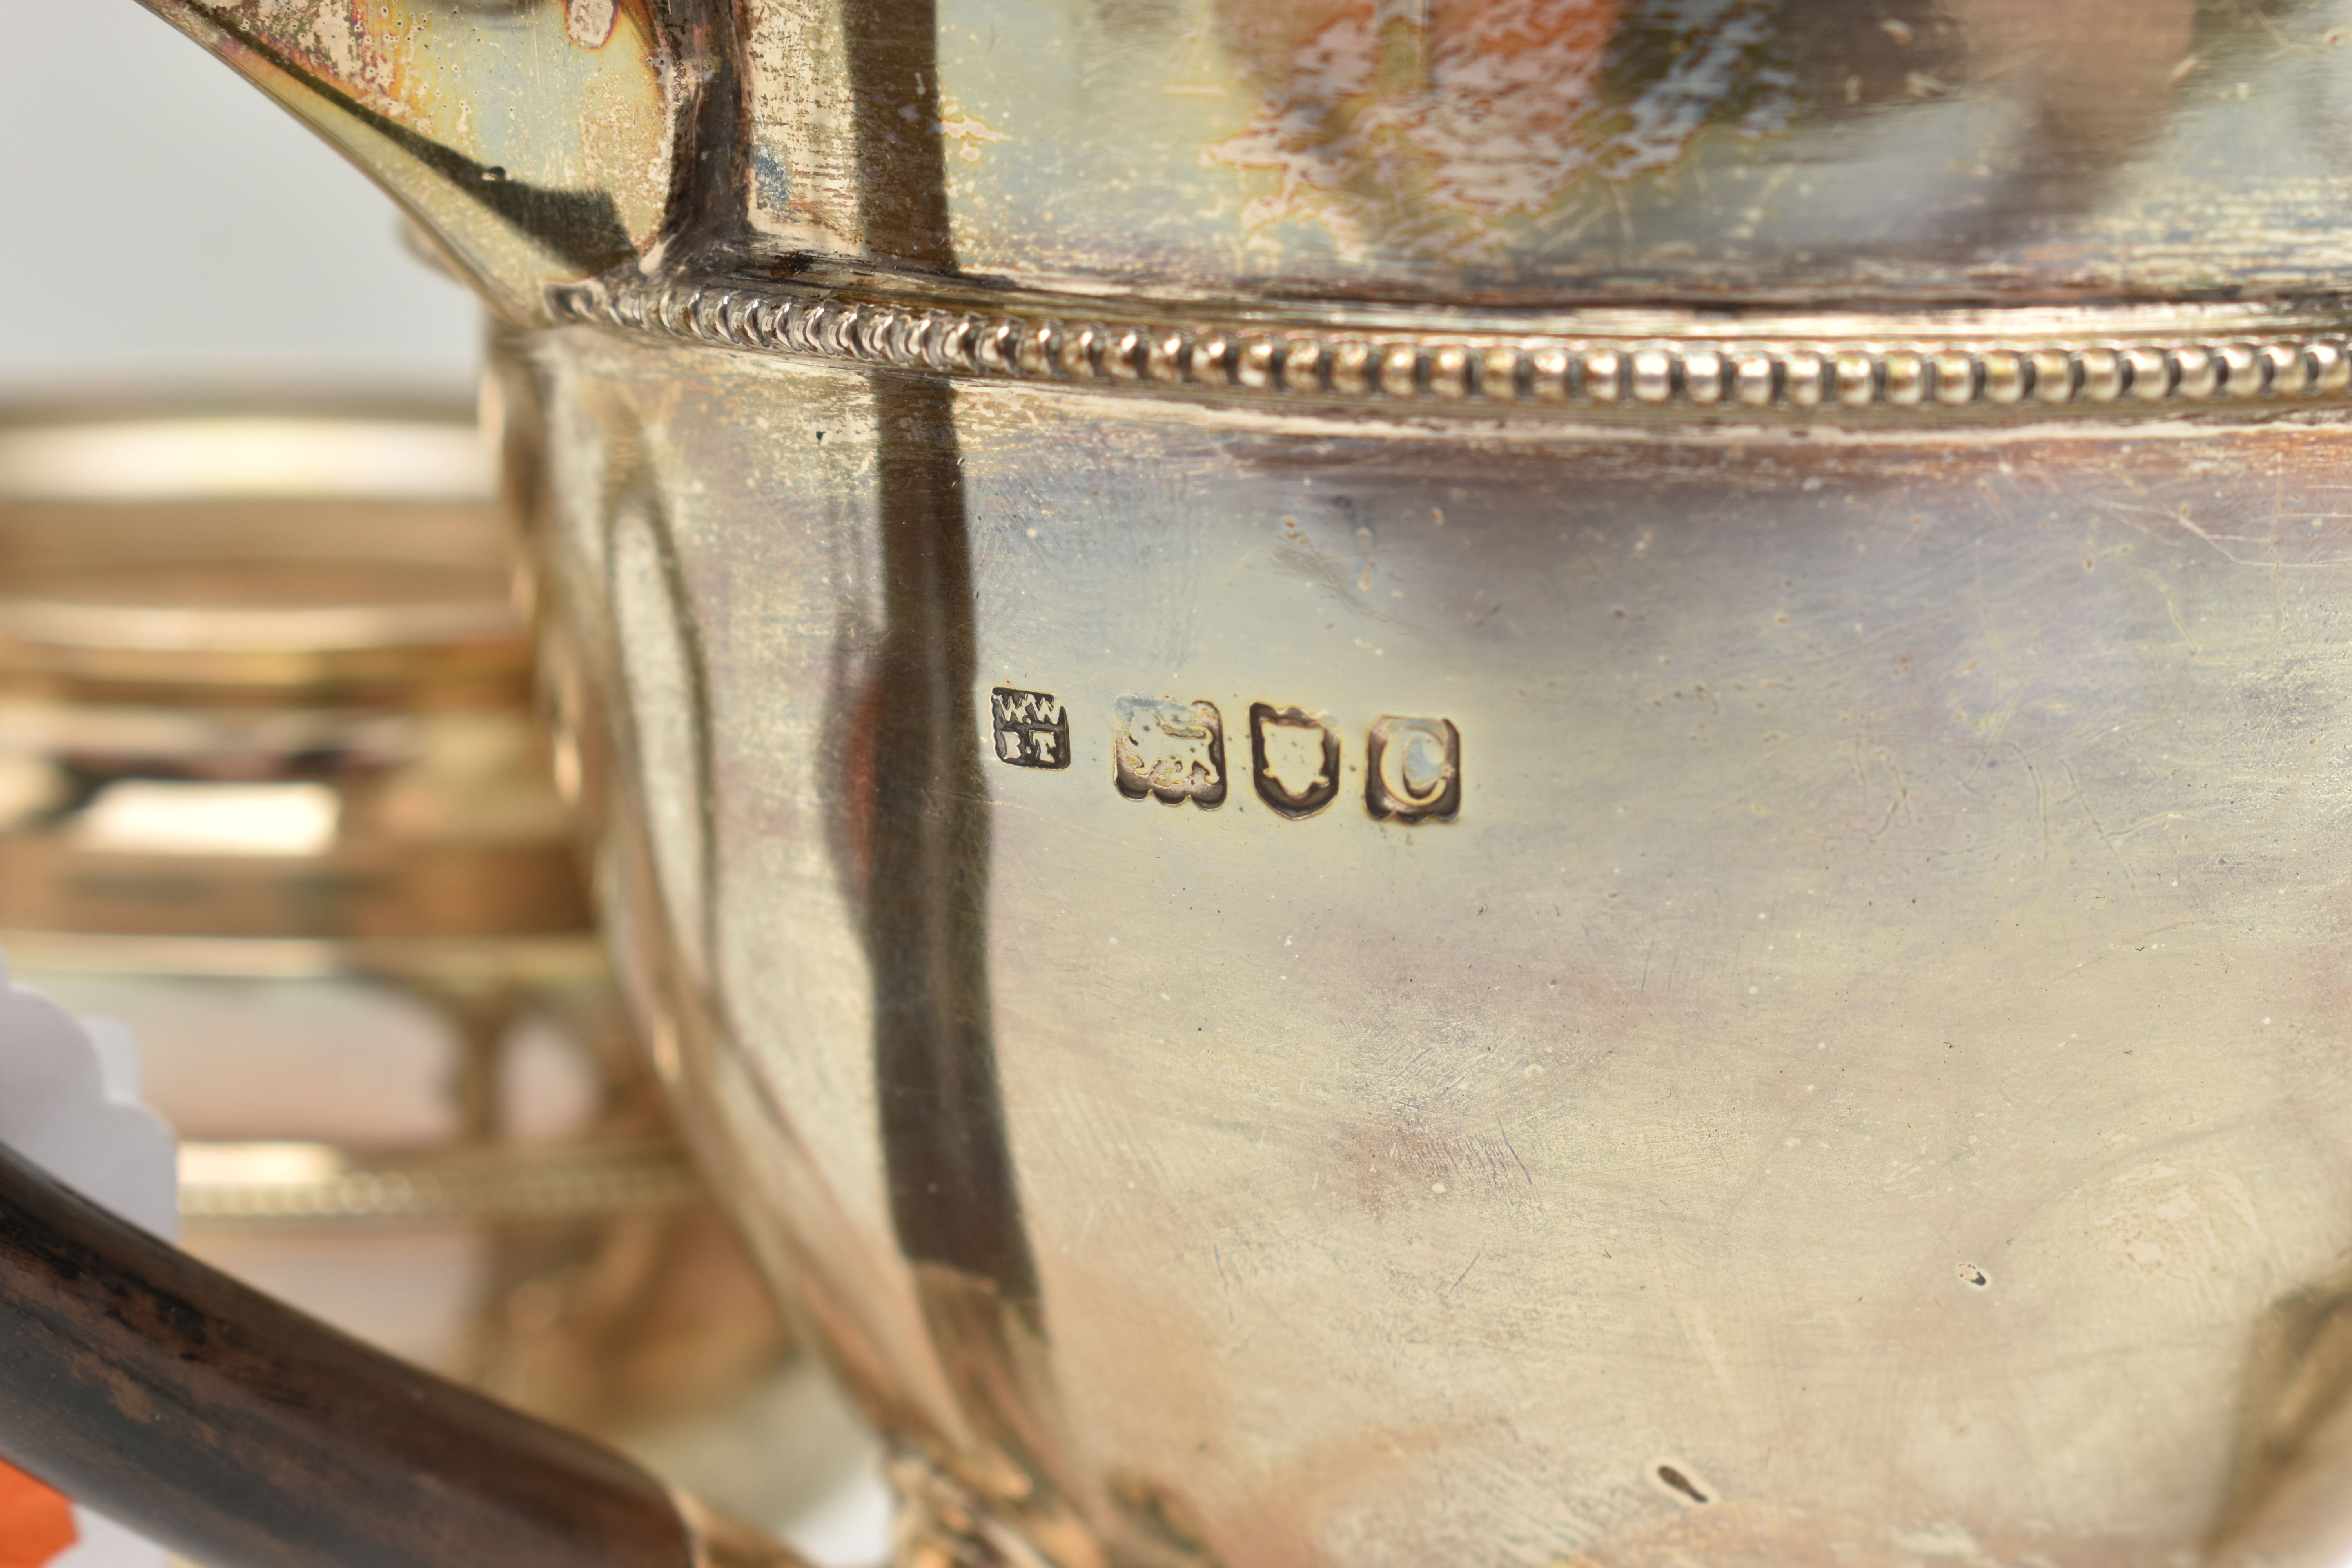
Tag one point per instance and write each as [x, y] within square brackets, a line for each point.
[1811, 530]
[276, 1182]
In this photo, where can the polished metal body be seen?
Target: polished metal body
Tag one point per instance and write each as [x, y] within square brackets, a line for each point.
[1472, 782]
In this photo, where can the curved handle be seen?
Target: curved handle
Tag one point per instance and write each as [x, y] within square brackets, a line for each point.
[235, 1430]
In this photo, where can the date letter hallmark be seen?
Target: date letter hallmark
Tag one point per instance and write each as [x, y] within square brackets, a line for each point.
[1174, 752]
[1033, 730]
[1294, 758]
[1412, 770]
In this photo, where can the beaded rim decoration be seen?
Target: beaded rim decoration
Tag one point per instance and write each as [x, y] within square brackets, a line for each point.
[2145, 366]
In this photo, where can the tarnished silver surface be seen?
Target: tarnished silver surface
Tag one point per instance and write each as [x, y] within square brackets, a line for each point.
[2115, 364]
[1863, 1044]
[1551, 785]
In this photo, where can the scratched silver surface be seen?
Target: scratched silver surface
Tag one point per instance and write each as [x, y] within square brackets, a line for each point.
[1869, 1044]
[1479, 781]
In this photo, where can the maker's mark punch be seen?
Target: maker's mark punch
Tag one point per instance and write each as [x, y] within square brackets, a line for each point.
[1033, 730]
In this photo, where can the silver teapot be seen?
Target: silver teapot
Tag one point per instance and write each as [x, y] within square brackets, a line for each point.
[1393, 782]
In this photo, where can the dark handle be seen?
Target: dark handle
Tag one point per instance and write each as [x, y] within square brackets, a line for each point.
[238, 1431]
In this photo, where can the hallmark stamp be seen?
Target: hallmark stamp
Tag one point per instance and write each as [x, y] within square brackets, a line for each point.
[1412, 770]
[1033, 730]
[1174, 752]
[1294, 758]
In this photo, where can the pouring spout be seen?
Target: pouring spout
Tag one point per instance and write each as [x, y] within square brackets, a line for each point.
[535, 142]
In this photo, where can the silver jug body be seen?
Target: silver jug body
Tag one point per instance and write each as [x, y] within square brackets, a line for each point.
[1812, 1036]
[1394, 783]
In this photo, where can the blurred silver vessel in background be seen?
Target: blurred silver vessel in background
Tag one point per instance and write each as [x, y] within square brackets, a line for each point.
[271, 790]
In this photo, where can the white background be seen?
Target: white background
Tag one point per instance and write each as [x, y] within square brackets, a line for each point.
[160, 219]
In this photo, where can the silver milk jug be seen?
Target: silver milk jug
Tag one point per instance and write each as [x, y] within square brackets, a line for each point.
[1398, 782]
